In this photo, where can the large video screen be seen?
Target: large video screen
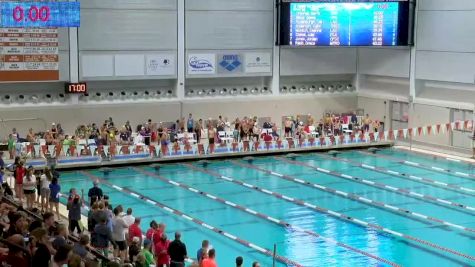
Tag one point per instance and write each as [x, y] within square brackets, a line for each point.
[345, 24]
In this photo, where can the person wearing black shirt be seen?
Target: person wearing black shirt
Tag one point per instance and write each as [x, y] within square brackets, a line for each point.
[42, 256]
[177, 252]
[95, 193]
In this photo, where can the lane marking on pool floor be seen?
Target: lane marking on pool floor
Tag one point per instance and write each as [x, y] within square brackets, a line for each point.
[333, 213]
[194, 220]
[423, 180]
[437, 155]
[421, 166]
[401, 191]
[261, 215]
[377, 204]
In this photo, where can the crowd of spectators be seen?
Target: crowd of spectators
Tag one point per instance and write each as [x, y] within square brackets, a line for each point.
[197, 131]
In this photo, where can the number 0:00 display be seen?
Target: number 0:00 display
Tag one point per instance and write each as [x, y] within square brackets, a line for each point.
[34, 13]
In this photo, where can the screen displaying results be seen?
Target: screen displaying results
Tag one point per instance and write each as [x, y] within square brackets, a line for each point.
[39, 14]
[344, 24]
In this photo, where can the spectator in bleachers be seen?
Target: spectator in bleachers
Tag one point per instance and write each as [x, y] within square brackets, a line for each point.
[256, 264]
[211, 260]
[134, 249]
[239, 261]
[135, 231]
[62, 256]
[29, 187]
[49, 223]
[177, 252]
[161, 251]
[102, 237]
[118, 234]
[95, 193]
[19, 173]
[42, 247]
[74, 211]
[147, 253]
[204, 248]
[61, 236]
[80, 249]
[18, 224]
[11, 146]
[55, 192]
[17, 256]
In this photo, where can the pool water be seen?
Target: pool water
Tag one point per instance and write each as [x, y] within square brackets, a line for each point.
[437, 245]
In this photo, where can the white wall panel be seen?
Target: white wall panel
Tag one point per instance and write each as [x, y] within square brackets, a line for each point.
[229, 30]
[63, 39]
[64, 65]
[129, 4]
[96, 65]
[445, 66]
[252, 5]
[129, 65]
[446, 5]
[446, 31]
[103, 29]
[317, 61]
[384, 62]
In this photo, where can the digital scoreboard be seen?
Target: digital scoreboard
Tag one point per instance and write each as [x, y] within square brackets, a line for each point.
[345, 23]
[39, 14]
[75, 88]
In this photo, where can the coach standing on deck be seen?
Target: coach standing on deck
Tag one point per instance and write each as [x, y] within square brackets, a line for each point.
[177, 252]
[95, 193]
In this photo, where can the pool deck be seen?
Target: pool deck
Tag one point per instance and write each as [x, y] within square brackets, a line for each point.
[138, 159]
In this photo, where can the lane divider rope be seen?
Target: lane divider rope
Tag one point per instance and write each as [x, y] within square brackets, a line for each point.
[196, 221]
[295, 201]
[436, 155]
[336, 214]
[423, 180]
[401, 191]
[374, 203]
[422, 166]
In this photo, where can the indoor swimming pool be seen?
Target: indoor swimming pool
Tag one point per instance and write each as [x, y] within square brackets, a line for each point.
[354, 208]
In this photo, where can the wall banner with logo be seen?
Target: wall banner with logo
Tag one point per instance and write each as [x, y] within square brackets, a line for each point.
[258, 62]
[199, 64]
[230, 63]
[160, 65]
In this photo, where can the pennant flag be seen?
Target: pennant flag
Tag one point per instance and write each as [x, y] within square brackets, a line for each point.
[404, 133]
[465, 125]
[457, 125]
[386, 133]
[37, 150]
[93, 150]
[429, 129]
[452, 126]
[438, 128]
[119, 150]
[400, 134]
[419, 131]
[395, 134]
[106, 150]
[51, 150]
[66, 150]
[447, 126]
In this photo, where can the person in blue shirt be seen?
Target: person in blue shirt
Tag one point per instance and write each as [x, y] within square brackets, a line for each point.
[190, 123]
[55, 193]
[204, 249]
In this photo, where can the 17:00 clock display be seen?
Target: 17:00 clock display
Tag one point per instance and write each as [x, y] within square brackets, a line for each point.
[39, 14]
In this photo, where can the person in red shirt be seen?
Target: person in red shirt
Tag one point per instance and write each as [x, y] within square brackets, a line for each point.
[211, 260]
[19, 174]
[151, 231]
[161, 251]
[135, 231]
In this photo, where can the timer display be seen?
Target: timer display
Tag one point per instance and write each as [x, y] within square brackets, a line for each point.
[39, 14]
[76, 88]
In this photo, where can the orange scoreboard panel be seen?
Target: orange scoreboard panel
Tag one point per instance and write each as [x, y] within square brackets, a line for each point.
[29, 54]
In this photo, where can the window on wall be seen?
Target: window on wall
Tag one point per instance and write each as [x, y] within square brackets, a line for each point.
[399, 115]
[461, 138]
